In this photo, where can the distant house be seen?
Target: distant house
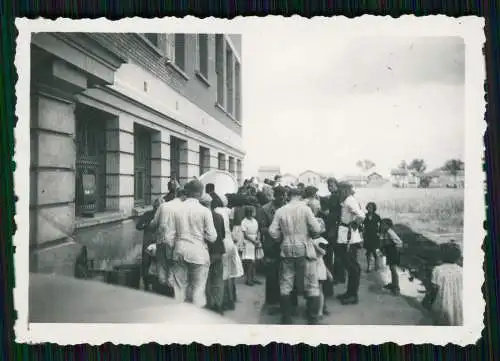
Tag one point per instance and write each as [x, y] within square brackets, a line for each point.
[440, 178]
[405, 178]
[289, 179]
[374, 176]
[311, 178]
[268, 172]
[356, 180]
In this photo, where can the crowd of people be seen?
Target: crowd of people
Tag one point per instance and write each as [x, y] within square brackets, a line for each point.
[198, 242]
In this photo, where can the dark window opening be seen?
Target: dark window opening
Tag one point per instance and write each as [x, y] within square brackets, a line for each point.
[180, 52]
[204, 160]
[203, 54]
[142, 166]
[222, 161]
[90, 182]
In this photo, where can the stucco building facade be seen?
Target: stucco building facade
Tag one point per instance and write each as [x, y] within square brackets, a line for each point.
[114, 117]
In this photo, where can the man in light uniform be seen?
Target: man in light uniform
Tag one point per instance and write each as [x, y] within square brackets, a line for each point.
[293, 225]
[193, 228]
[349, 237]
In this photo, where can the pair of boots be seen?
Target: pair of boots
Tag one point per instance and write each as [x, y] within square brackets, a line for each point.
[313, 305]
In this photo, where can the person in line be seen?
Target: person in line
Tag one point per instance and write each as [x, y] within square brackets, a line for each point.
[328, 258]
[215, 281]
[236, 217]
[173, 186]
[310, 195]
[250, 229]
[320, 245]
[445, 294]
[277, 180]
[164, 222]
[272, 249]
[391, 245]
[371, 231]
[334, 251]
[193, 229]
[210, 190]
[349, 241]
[292, 226]
[149, 229]
[232, 266]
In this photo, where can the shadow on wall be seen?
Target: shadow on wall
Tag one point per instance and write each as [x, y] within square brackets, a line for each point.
[115, 242]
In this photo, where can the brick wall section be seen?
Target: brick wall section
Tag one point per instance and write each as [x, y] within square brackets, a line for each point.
[132, 47]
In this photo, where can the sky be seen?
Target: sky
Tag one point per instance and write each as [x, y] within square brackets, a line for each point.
[321, 102]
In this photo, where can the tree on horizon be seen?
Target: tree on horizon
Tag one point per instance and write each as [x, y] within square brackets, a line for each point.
[453, 166]
[365, 165]
[418, 165]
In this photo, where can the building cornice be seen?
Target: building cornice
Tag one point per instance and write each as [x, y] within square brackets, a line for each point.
[101, 95]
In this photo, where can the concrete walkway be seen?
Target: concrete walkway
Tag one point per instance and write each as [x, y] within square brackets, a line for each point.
[376, 306]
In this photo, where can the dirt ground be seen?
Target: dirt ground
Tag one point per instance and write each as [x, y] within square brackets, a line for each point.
[376, 306]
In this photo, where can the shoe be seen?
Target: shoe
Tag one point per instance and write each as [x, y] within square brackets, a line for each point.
[396, 291]
[326, 312]
[351, 300]
[313, 304]
[342, 296]
[257, 282]
[286, 310]
[389, 286]
[249, 283]
[368, 270]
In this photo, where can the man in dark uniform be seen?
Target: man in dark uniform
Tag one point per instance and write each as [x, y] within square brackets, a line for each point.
[337, 268]
[272, 248]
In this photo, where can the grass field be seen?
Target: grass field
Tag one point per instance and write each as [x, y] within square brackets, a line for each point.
[434, 211]
[423, 218]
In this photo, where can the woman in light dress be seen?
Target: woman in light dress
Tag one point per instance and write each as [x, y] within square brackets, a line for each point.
[232, 265]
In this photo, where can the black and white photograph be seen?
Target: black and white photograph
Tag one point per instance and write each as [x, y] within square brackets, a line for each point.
[249, 181]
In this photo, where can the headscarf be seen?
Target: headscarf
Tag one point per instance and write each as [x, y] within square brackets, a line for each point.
[206, 200]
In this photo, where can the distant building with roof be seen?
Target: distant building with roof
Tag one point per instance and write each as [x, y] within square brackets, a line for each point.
[269, 172]
[312, 178]
[405, 178]
[440, 178]
[289, 179]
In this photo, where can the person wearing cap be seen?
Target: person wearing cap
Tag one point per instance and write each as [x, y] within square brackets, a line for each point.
[349, 239]
[163, 221]
[332, 225]
[173, 186]
[215, 282]
[146, 224]
[292, 226]
[271, 247]
[193, 229]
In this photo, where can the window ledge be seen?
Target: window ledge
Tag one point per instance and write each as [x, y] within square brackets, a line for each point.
[177, 69]
[150, 44]
[221, 108]
[138, 211]
[99, 218]
[202, 78]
